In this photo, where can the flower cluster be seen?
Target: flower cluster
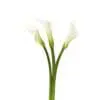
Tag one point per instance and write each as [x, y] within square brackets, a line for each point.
[72, 35]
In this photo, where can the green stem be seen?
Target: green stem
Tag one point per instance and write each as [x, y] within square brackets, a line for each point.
[57, 62]
[52, 89]
[48, 59]
[52, 83]
[53, 58]
[52, 80]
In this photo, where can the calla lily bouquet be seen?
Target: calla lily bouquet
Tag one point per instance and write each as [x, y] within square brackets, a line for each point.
[53, 63]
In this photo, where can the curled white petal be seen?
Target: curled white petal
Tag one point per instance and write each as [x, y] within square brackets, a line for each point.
[38, 38]
[48, 29]
[72, 35]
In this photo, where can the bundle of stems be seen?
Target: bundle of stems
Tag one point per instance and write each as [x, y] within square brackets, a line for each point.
[53, 63]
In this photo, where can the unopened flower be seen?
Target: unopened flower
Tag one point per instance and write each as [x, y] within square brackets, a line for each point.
[72, 35]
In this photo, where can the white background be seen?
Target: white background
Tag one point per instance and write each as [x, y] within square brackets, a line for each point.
[23, 65]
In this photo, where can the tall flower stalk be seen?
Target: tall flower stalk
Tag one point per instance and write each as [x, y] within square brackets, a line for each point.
[53, 63]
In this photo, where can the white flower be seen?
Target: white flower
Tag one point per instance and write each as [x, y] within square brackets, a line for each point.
[48, 29]
[72, 35]
[38, 38]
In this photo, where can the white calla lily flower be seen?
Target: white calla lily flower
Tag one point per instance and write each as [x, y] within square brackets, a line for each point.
[38, 38]
[72, 35]
[48, 29]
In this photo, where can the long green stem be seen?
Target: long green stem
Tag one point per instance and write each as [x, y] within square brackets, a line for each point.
[52, 85]
[52, 80]
[53, 58]
[57, 62]
[52, 70]
[52, 89]
[48, 59]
